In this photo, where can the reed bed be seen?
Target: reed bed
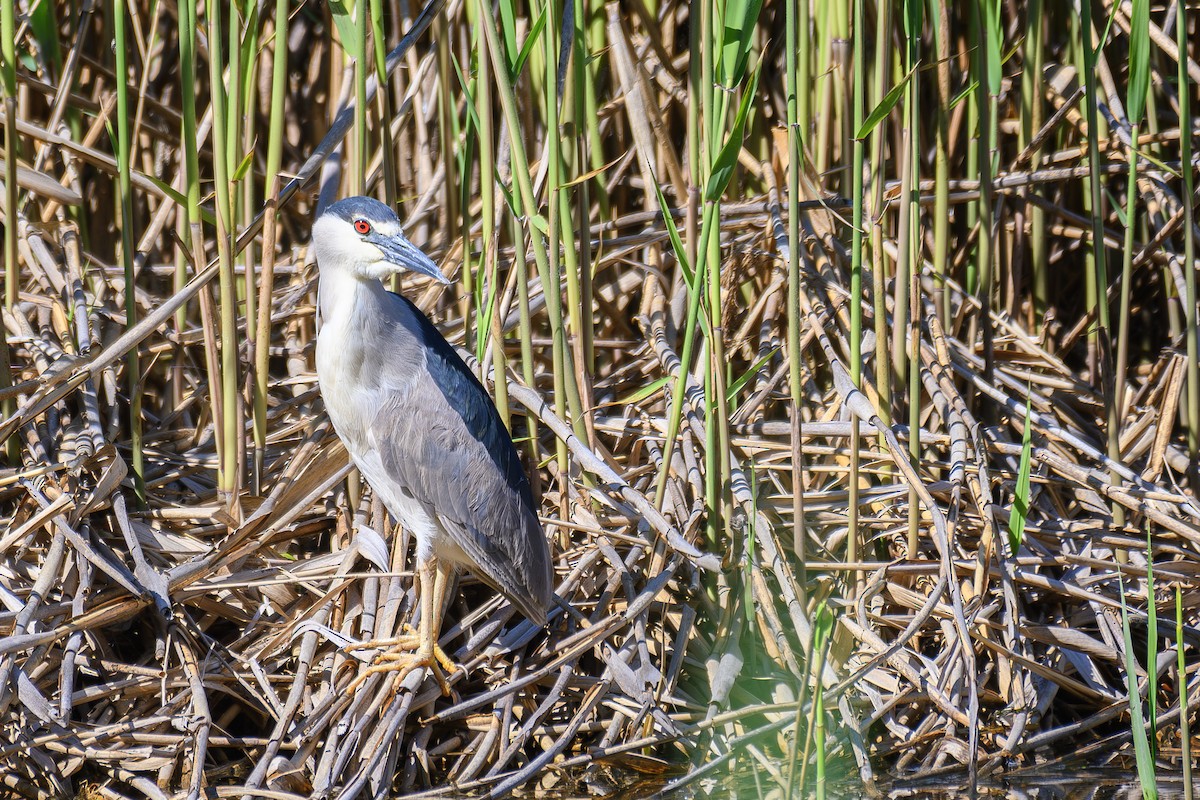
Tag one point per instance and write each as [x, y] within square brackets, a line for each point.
[852, 349]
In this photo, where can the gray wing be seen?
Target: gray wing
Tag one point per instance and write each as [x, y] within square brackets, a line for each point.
[441, 439]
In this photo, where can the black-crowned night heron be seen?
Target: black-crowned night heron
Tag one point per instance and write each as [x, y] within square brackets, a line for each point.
[419, 426]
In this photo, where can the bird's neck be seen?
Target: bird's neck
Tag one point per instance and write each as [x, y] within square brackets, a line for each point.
[341, 295]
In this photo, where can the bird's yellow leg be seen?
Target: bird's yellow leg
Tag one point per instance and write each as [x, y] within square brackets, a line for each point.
[432, 579]
[441, 582]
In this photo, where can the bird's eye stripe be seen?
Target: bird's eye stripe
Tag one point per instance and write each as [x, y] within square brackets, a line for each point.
[362, 226]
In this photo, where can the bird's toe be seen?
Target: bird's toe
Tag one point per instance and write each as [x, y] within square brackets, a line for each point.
[401, 655]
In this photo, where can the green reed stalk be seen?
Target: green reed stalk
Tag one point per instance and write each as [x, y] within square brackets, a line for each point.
[558, 233]
[188, 158]
[829, 29]
[488, 261]
[857, 157]
[795, 757]
[712, 120]
[553, 145]
[823, 623]
[686, 350]
[193, 222]
[906, 322]
[695, 132]
[989, 38]
[262, 349]
[244, 137]
[228, 430]
[1078, 48]
[795, 374]
[1123, 320]
[564, 373]
[525, 331]
[1019, 516]
[715, 379]
[516, 233]
[188, 133]
[533, 69]
[842, 183]
[8, 82]
[910, 176]
[972, 210]
[691, 262]
[590, 39]
[244, 51]
[383, 100]
[125, 192]
[941, 164]
[1185, 734]
[562, 223]
[1139, 87]
[1102, 358]
[362, 133]
[1192, 302]
[581, 123]
[879, 265]
[8, 79]
[1141, 743]
[750, 608]
[1151, 643]
[715, 178]
[1155, 149]
[1032, 116]
[804, 71]
[823, 40]
[819, 738]
[727, 65]
[234, 103]
[461, 137]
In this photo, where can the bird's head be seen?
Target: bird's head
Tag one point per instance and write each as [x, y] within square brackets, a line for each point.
[362, 236]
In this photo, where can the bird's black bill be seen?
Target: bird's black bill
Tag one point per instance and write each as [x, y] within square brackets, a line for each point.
[406, 255]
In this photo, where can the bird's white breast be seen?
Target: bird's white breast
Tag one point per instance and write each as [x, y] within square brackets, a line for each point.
[357, 380]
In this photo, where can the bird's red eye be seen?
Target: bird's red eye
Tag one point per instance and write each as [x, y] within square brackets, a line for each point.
[362, 226]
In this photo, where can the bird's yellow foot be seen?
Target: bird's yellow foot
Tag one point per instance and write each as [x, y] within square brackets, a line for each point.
[403, 654]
